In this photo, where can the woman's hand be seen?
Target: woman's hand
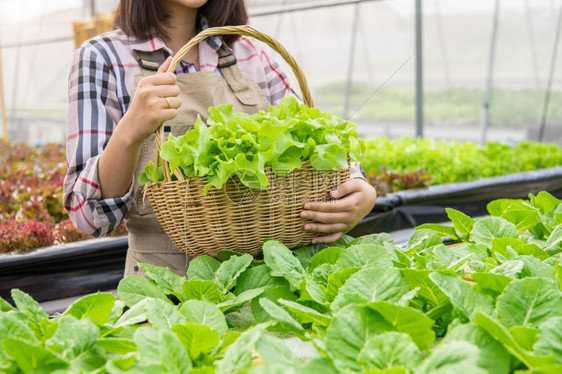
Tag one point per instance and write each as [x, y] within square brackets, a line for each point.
[154, 102]
[354, 200]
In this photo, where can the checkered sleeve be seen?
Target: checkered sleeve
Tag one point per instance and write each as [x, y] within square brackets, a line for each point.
[276, 79]
[93, 113]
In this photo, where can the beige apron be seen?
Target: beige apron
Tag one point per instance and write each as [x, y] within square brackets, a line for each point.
[147, 240]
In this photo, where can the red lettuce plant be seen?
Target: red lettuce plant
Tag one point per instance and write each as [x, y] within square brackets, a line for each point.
[386, 181]
[32, 214]
[25, 235]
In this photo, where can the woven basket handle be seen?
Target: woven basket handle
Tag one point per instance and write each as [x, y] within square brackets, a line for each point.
[243, 30]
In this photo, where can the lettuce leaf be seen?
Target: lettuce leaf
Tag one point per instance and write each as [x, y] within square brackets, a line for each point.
[233, 143]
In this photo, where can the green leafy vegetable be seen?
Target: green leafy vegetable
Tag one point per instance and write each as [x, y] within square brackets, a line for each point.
[451, 161]
[97, 307]
[134, 289]
[529, 301]
[241, 145]
[389, 350]
[491, 303]
[465, 299]
[204, 313]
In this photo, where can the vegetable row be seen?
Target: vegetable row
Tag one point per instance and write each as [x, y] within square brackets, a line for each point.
[394, 165]
[32, 214]
[476, 296]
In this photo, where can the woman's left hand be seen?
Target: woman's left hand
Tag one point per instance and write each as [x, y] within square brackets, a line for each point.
[354, 200]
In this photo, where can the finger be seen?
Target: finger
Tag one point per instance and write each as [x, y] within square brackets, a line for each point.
[165, 65]
[327, 238]
[325, 227]
[346, 188]
[323, 217]
[168, 114]
[166, 90]
[162, 79]
[175, 102]
[345, 204]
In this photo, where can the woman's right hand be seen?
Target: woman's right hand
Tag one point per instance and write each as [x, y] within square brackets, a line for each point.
[149, 107]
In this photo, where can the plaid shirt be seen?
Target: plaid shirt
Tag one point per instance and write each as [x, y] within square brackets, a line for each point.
[100, 86]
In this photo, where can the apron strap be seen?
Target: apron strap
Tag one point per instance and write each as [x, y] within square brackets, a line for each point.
[238, 82]
[235, 78]
[226, 57]
[150, 61]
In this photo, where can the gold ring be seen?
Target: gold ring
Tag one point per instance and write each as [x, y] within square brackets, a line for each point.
[168, 101]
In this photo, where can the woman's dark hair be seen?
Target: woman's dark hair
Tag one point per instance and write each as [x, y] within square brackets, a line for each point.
[139, 18]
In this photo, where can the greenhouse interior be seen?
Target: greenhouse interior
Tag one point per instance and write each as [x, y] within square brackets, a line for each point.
[281, 186]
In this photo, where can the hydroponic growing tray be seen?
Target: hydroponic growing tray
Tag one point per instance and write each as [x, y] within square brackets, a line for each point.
[78, 268]
[411, 208]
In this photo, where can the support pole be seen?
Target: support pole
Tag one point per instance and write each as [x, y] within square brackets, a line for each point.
[550, 78]
[485, 120]
[3, 104]
[351, 61]
[419, 71]
[15, 87]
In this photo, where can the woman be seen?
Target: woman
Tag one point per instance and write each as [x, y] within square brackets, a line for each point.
[119, 93]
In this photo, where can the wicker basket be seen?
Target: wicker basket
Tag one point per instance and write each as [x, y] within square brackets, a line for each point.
[237, 217]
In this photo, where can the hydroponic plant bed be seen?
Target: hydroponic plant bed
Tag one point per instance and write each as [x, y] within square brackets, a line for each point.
[488, 302]
[32, 214]
[408, 163]
[410, 208]
[64, 270]
[416, 179]
[37, 271]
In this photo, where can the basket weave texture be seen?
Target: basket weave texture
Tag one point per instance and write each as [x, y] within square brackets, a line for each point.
[237, 217]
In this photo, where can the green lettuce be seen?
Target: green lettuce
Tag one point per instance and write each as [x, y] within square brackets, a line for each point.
[490, 303]
[234, 144]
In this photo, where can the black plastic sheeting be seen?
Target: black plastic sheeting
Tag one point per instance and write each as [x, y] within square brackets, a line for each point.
[96, 265]
[410, 208]
[66, 270]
